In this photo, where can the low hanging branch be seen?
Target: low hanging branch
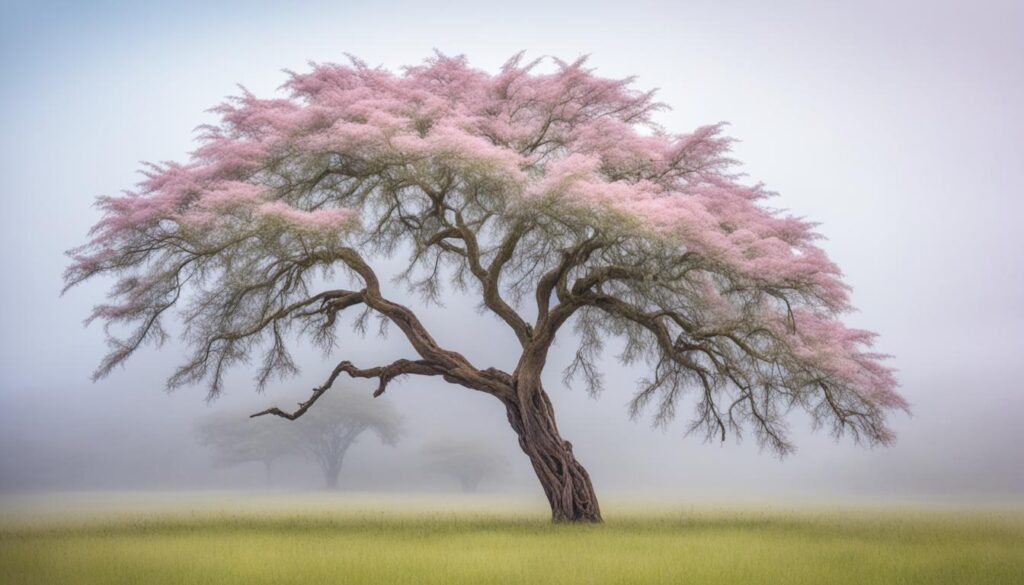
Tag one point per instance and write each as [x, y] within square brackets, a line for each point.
[384, 373]
[553, 187]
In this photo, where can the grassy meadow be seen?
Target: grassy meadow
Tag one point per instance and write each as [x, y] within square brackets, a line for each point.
[228, 538]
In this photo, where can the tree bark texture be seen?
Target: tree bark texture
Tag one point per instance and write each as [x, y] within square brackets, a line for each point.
[566, 483]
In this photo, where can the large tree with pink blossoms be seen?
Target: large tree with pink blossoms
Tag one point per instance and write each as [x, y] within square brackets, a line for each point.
[552, 195]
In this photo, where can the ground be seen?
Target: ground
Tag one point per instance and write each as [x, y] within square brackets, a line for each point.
[225, 538]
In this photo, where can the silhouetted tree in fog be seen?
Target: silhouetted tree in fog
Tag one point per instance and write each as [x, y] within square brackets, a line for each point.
[467, 461]
[236, 439]
[327, 433]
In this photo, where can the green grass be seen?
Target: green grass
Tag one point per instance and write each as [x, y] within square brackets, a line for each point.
[353, 539]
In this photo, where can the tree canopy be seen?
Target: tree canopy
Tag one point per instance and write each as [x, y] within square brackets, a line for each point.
[552, 193]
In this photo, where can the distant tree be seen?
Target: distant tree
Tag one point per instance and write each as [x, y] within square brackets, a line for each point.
[235, 439]
[341, 418]
[553, 195]
[467, 461]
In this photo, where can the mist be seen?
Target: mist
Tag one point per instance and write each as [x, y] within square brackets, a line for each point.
[897, 127]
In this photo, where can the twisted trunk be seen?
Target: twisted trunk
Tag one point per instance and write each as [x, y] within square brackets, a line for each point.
[566, 483]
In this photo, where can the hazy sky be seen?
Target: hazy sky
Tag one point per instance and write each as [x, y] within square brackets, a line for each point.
[896, 125]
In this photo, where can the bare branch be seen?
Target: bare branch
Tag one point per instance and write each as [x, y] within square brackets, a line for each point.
[384, 373]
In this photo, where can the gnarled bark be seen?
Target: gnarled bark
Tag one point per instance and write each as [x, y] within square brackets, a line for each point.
[566, 483]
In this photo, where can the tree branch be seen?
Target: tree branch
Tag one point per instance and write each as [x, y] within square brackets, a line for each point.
[304, 406]
[384, 373]
[489, 277]
[556, 277]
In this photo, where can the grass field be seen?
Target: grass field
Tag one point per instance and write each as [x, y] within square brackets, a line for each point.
[349, 538]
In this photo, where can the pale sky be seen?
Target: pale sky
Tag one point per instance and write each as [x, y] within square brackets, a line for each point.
[896, 125]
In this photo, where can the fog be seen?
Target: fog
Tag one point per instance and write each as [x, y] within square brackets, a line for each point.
[897, 126]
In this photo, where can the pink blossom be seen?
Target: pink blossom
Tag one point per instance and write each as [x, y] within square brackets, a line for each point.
[320, 220]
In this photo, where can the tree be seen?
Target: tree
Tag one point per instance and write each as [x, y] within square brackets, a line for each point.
[323, 435]
[235, 440]
[553, 195]
[327, 432]
[468, 462]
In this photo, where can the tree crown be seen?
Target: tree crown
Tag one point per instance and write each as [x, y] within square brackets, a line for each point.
[553, 194]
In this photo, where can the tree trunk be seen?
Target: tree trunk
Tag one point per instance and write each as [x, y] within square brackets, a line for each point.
[566, 483]
[331, 473]
[332, 457]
